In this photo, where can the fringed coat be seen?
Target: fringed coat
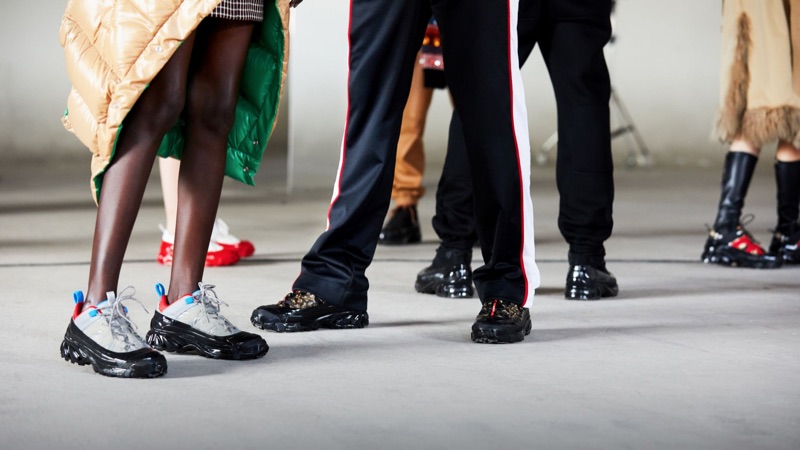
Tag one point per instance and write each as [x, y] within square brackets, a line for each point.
[760, 79]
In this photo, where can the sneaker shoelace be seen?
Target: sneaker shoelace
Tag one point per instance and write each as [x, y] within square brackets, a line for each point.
[125, 328]
[207, 296]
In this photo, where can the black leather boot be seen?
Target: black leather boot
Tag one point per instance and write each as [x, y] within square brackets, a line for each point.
[728, 243]
[449, 275]
[402, 227]
[785, 241]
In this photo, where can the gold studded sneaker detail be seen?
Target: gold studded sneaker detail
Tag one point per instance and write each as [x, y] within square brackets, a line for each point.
[501, 322]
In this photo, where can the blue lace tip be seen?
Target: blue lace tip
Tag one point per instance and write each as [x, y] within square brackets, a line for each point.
[77, 296]
[160, 289]
[92, 312]
[189, 300]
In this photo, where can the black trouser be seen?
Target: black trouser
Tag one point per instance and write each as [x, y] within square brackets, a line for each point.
[486, 86]
[571, 35]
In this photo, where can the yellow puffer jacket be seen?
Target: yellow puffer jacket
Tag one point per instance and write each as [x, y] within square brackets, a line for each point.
[114, 49]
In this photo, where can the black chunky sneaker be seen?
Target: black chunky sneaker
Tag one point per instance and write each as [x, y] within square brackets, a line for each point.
[501, 322]
[449, 275]
[585, 282]
[402, 227]
[303, 311]
[737, 249]
[194, 323]
[786, 247]
[104, 337]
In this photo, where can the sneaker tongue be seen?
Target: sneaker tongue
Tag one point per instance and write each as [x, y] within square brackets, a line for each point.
[103, 304]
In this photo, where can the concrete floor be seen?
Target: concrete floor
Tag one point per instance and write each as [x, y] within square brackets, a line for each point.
[688, 356]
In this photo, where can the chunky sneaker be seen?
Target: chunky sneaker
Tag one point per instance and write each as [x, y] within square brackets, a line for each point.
[217, 255]
[402, 227]
[105, 337]
[737, 249]
[449, 275]
[303, 311]
[501, 322]
[786, 248]
[193, 322]
[585, 282]
[221, 235]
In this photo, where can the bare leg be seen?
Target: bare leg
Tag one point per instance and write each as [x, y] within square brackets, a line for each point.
[169, 168]
[741, 145]
[787, 152]
[126, 178]
[213, 87]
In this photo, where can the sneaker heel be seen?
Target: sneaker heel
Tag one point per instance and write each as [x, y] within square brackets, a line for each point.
[458, 290]
[164, 343]
[73, 354]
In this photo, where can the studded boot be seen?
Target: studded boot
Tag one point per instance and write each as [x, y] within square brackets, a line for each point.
[786, 238]
[729, 243]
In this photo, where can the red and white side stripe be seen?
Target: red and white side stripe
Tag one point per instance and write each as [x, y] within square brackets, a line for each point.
[342, 151]
[519, 117]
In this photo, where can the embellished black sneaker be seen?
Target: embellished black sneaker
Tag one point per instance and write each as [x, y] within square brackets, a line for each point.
[449, 275]
[402, 227]
[194, 323]
[303, 311]
[585, 282]
[785, 247]
[105, 337]
[737, 249]
[501, 322]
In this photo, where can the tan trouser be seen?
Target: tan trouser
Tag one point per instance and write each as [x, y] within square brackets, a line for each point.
[407, 188]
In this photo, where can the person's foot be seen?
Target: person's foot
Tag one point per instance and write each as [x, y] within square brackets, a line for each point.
[303, 311]
[216, 256]
[585, 282]
[501, 322]
[402, 227]
[786, 247]
[221, 235]
[449, 275]
[194, 323]
[105, 337]
[737, 249]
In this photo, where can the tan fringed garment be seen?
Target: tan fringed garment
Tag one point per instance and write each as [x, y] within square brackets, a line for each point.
[760, 78]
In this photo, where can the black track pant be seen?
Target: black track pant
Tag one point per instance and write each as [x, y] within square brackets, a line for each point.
[483, 75]
[571, 35]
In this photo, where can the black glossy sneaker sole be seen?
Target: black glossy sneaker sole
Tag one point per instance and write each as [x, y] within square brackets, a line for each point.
[78, 349]
[177, 337]
[580, 292]
[445, 290]
[492, 333]
[337, 320]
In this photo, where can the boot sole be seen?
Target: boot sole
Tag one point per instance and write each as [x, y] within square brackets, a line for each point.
[75, 351]
[722, 258]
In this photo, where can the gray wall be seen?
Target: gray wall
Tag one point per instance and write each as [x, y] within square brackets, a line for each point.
[664, 66]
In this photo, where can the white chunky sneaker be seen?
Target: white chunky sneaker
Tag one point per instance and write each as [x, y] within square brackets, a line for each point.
[194, 323]
[105, 337]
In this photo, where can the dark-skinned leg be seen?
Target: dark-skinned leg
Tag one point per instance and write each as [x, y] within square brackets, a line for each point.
[195, 323]
[213, 87]
[124, 182]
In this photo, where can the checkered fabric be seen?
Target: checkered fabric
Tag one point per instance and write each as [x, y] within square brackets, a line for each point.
[240, 10]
